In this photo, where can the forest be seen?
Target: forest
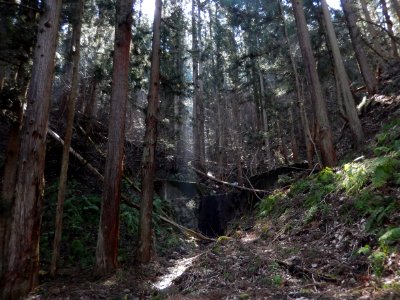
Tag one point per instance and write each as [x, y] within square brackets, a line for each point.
[206, 149]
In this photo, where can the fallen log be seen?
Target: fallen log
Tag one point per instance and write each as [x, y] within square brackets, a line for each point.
[228, 183]
[185, 230]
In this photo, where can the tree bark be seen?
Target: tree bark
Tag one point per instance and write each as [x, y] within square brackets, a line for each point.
[324, 132]
[347, 96]
[396, 8]
[74, 56]
[266, 133]
[374, 36]
[8, 187]
[198, 105]
[107, 239]
[300, 102]
[389, 25]
[350, 16]
[150, 141]
[22, 249]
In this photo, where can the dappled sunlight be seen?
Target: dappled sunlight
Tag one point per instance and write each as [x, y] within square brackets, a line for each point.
[110, 282]
[250, 237]
[174, 272]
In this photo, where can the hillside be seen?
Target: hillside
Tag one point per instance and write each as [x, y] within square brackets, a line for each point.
[328, 235]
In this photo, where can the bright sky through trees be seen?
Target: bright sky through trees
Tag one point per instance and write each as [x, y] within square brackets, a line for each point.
[334, 3]
[148, 6]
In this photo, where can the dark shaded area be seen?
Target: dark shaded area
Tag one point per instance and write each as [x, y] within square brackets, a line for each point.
[174, 188]
[216, 211]
[267, 180]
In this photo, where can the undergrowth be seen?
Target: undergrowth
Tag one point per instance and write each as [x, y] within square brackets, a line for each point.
[365, 189]
[80, 226]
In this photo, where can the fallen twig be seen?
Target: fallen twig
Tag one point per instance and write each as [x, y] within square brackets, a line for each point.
[295, 269]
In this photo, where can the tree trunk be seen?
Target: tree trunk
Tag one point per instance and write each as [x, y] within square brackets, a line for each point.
[90, 108]
[347, 96]
[8, 187]
[389, 25]
[198, 101]
[293, 136]
[396, 8]
[350, 15]
[238, 139]
[374, 35]
[300, 102]
[150, 141]
[74, 57]
[324, 133]
[266, 133]
[22, 251]
[107, 240]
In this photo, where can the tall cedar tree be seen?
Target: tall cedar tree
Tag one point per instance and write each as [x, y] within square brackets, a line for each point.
[351, 20]
[198, 93]
[74, 56]
[20, 274]
[389, 28]
[350, 109]
[107, 239]
[21, 78]
[150, 142]
[324, 132]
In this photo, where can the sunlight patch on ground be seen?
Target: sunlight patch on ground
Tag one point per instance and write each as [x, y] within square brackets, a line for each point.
[249, 237]
[174, 272]
[110, 282]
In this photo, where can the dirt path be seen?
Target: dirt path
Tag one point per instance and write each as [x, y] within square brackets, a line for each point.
[259, 260]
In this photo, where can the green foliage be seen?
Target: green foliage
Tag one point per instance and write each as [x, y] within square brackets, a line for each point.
[376, 207]
[326, 176]
[223, 239]
[322, 185]
[267, 204]
[388, 140]
[390, 237]
[80, 224]
[365, 250]
[385, 169]
[300, 187]
[311, 212]
[377, 261]
[130, 219]
[277, 279]
[354, 176]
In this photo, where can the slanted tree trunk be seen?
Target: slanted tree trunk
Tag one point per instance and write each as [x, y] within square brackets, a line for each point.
[21, 270]
[150, 141]
[374, 35]
[369, 79]
[74, 57]
[389, 27]
[324, 132]
[107, 239]
[347, 96]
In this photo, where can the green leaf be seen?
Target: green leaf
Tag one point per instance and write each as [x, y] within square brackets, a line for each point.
[391, 236]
